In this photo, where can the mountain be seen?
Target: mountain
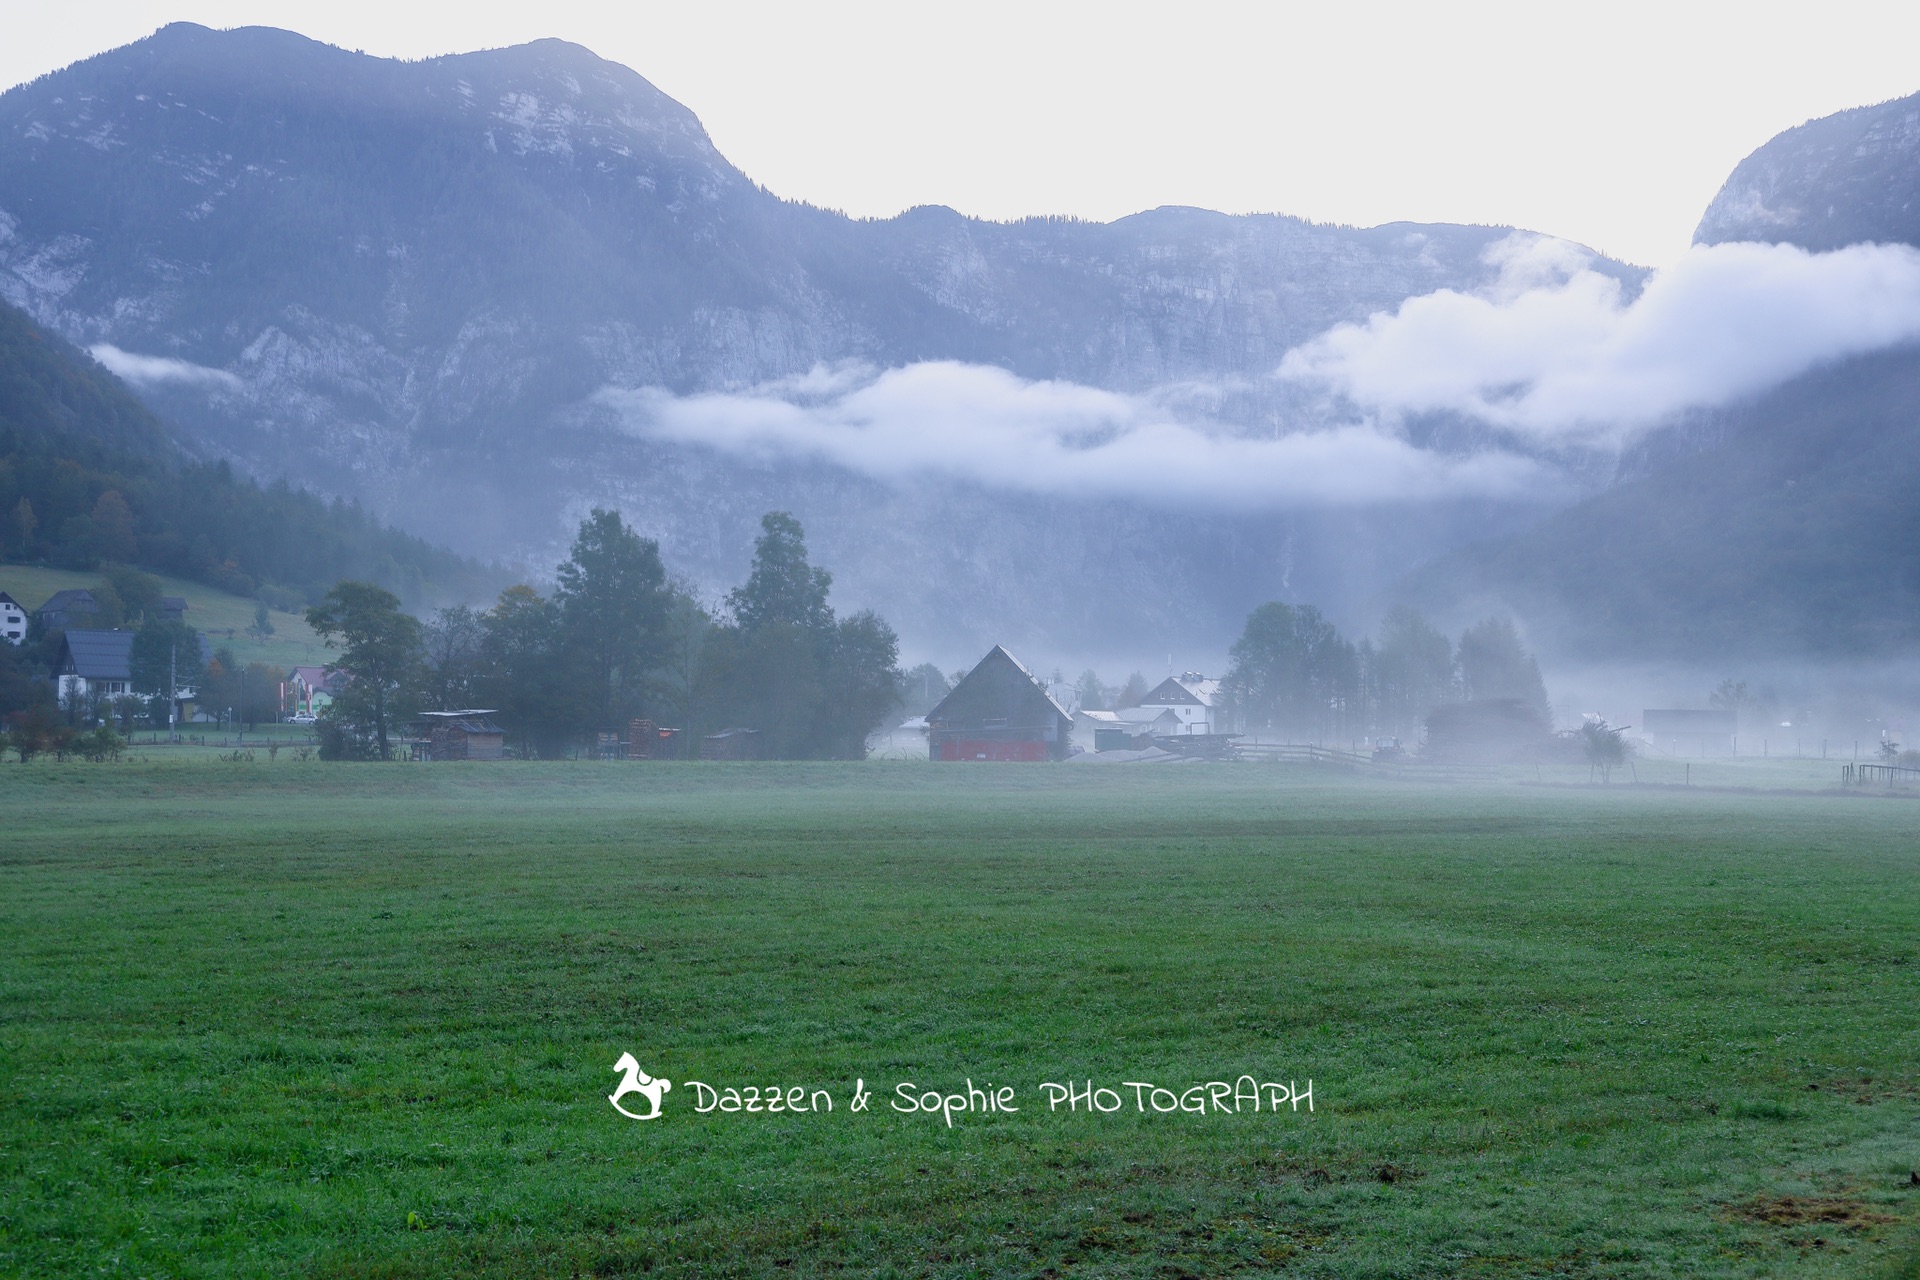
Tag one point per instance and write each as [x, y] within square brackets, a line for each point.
[87, 473]
[414, 283]
[1832, 182]
[1793, 528]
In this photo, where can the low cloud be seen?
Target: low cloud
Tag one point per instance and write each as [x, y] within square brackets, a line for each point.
[1556, 354]
[984, 425]
[148, 371]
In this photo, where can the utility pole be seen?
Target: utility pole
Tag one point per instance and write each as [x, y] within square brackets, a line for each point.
[173, 734]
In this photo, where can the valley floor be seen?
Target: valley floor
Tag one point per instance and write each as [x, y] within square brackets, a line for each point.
[284, 1018]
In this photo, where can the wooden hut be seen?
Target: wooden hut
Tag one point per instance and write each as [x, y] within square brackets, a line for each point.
[731, 744]
[462, 735]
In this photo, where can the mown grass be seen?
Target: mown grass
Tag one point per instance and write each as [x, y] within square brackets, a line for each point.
[359, 1021]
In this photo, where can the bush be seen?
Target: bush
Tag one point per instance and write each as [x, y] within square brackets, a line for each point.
[340, 740]
[100, 745]
[36, 731]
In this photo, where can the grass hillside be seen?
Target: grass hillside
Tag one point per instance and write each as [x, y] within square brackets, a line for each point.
[223, 617]
[294, 1019]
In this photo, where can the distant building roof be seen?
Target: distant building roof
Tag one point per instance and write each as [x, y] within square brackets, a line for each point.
[71, 600]
[7, 599]
[1189, 688]
[173, 604]
[1001, 652]
[96, 655]
[473, 721]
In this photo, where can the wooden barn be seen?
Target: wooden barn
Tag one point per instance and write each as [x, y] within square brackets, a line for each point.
[462, 735]
[998, 712]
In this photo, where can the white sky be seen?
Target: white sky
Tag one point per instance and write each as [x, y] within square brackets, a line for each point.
[1610, 123]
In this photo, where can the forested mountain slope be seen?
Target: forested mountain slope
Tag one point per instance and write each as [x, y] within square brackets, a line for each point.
[87, 474]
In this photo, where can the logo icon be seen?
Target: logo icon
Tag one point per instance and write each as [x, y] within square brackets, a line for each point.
[634, 1080]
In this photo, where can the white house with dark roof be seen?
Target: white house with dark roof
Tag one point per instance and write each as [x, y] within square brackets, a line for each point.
[1191, 698]
[13, 620]
[94, 662]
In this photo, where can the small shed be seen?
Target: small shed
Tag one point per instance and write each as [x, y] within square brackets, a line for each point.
[731, 744]
[463, 735]
[645, 739]
[998, 711]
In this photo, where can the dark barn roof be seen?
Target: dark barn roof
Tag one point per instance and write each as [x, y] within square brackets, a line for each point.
[1000, 700]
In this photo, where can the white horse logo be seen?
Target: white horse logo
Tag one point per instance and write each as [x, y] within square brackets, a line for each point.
[634, 1080]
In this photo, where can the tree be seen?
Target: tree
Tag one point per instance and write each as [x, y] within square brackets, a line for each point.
[24, 523]
[1292, 670]
[1093, 694]
[1494, 664]
[165, 657]
[455, 641]
[814, 688]
[1412, 671]
[1604, 746]
[783, 588]
[379, 655]
[859, 685]
[520, 673]
[1131, 692]
[137, 592]
[613, 604]
[262, 624]
[922, 688]
[113, 527]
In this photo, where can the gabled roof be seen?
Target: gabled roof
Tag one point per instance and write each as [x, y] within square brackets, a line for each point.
[1186, 689]
[97, 655]
[1018, 665]
[70, 599]
[7, 599]
[323, 678]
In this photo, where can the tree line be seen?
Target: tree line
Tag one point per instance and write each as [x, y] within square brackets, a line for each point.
[1293, 672]
[617, 641]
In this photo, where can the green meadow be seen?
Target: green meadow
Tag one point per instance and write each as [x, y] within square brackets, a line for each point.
[280, 1018]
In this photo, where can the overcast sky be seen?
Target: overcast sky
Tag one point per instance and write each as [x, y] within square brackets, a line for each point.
[1610, 123]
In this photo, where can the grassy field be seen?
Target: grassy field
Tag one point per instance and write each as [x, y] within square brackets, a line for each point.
[224, 618]
[327, 1020]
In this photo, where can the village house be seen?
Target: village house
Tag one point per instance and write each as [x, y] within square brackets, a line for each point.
[1191, 698]
[70, 608]
[13, 620]
[307, 690]
[99, 664]
[998, 711]
[93, 663]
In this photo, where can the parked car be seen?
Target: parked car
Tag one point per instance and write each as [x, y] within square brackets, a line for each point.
[305, 717]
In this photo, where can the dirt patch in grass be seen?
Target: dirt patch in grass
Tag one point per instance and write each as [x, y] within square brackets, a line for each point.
[1799, 1211]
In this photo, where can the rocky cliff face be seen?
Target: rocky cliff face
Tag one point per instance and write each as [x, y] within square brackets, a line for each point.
[1832, 182]
[407, 282]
